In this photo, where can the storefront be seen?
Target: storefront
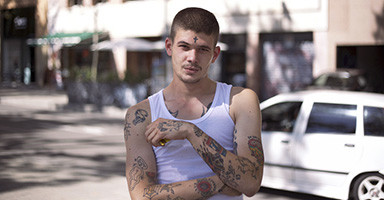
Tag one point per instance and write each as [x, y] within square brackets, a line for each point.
[17, 63]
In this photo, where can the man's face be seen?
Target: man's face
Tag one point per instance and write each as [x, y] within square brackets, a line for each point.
[192, 53]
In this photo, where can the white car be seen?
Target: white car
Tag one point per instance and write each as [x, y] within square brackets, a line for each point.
[325, 142]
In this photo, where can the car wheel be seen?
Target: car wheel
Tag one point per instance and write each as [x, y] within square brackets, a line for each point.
[368, 186]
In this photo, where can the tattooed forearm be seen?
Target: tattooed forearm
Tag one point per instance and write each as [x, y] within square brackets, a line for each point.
[155, 190]
[140, 116]
[247, 166]
[137, 172]
[235, 141]
[230, 176]
[216, 147]
[254, 144]
[197, 131]
[231, 171]
[205, 187]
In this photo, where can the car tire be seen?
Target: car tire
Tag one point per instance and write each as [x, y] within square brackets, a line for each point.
[368, 186]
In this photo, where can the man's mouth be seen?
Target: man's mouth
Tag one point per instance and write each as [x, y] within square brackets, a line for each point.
[191, 69]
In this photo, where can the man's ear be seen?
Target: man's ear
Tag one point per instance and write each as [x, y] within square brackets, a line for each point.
[168, 46]
[216, 53]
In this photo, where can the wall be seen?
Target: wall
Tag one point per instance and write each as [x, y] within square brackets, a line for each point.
[354, 22]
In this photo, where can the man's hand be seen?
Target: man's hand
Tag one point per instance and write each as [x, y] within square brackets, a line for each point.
[166, 129]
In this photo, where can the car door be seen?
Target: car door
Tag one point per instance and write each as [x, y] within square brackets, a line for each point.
[326, 151]
[277, 135]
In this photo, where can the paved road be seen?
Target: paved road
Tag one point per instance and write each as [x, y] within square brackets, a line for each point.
[51, 152]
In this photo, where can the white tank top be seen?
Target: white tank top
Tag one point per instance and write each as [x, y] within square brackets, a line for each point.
[178, 160]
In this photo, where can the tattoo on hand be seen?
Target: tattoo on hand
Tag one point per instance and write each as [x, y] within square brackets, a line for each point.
[140, 116]
[205, 187]
[169, 126]
[137, 172]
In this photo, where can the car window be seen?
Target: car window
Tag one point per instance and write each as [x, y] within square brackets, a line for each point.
[280, 117]
[332, 118]
[374, 121]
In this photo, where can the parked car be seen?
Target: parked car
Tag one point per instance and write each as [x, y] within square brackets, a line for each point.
[342, 79]
[325, 142]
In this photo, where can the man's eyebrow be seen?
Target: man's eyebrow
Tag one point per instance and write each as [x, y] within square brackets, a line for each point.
[183, 42]
[200, 46]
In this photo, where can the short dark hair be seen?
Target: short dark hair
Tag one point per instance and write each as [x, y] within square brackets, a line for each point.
[197, 20]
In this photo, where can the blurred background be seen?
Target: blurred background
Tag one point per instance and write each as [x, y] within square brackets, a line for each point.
[270, 46]
[59, 57]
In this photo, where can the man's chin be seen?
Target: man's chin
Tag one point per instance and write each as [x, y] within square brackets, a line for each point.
[190, 79]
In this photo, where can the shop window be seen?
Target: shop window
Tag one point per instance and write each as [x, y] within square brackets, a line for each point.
[99, 1]
[75, 2]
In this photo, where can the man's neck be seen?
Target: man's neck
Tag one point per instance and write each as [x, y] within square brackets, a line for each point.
[186, 90]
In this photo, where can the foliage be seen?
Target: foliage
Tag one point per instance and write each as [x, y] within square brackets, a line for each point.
[83, 73]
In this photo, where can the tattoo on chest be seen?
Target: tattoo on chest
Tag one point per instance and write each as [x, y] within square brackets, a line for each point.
[174, 114]
[206, 110]
[140, 116]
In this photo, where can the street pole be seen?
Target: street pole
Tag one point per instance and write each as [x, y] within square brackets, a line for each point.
[95, 40]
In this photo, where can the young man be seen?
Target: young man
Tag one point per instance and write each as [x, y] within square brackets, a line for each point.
[197, 138]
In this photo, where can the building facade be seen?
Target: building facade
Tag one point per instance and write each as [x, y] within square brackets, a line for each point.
[272, 46]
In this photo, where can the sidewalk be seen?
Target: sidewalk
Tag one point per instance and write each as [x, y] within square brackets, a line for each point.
[51, 152]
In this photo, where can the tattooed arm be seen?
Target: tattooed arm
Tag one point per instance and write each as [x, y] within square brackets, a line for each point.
[241, 170]
[141, 165]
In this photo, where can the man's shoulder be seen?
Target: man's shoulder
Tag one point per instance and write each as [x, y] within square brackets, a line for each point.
[141, 105]
[243, 96]
[241, 92]
[140, 110]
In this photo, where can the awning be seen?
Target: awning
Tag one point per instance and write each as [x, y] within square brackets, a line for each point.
[129, 44]
[66, 39]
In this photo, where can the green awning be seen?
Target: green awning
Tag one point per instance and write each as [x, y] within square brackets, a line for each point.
[66, 39]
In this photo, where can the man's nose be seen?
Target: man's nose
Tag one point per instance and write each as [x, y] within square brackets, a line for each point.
[192, 55]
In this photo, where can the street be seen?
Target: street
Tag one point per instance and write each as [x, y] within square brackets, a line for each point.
[51, 152]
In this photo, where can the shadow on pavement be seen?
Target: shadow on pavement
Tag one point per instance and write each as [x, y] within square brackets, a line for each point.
[49, 148]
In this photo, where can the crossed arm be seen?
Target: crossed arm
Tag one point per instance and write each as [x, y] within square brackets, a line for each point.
[241, 170]
[236, 172]
[141, 166]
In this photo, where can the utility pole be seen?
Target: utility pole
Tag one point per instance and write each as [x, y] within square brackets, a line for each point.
[95, 40]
